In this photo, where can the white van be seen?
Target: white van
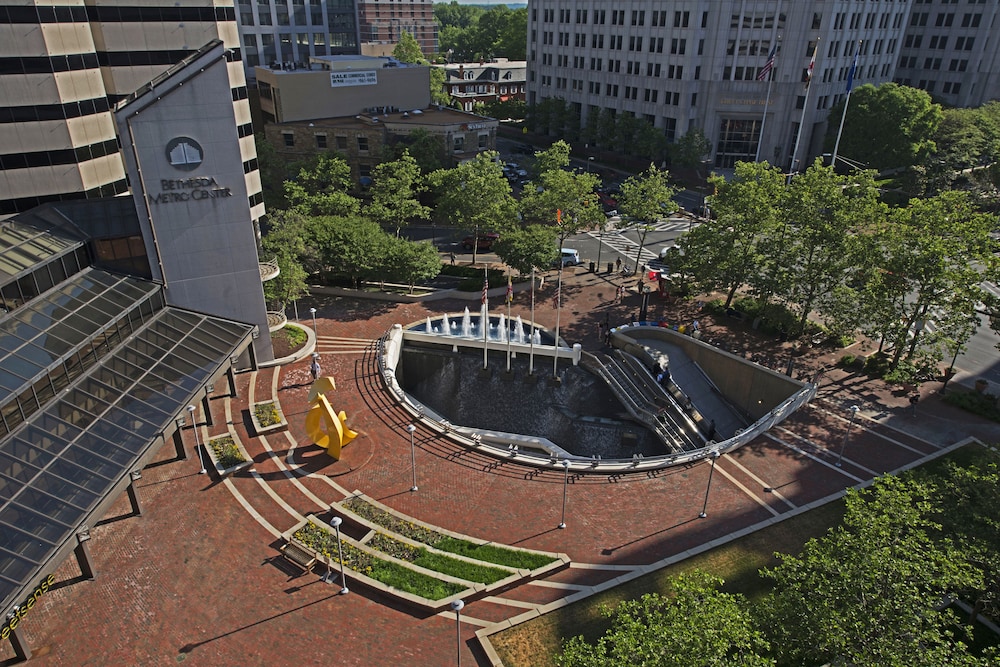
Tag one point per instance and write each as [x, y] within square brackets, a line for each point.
[569, 257]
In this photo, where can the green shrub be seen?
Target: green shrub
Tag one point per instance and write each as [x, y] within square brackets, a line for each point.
[715, 307]
[226, 452]
[847, 360]
[984, 405]
[878, 364]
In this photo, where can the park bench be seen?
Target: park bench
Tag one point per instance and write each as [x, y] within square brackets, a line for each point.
[296, 554]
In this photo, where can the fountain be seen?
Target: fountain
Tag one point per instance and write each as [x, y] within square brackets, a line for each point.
[502, 329]
[446, 326]
[519, 331]
[466, 324]
[428, 327]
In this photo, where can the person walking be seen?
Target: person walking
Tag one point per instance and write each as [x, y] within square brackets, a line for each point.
[314, 367]
[618, 265]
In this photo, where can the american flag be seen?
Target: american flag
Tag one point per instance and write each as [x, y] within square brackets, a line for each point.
[765, 71]
[555, 299]
[812, 66]
[510, 289]
[486, 288]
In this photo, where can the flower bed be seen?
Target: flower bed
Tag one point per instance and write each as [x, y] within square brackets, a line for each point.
[429, 560]
[227, 454]
[488, 553]
[386, 572]
[267, 417]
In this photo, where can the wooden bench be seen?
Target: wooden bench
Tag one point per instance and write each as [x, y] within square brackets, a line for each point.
[296, 554]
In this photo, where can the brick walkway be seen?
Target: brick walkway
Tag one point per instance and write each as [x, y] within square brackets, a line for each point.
[197, 579]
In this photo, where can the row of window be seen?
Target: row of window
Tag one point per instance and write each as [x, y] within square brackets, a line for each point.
[943, 20]
[44, 112]
[114, 14]
[681, 19]
[962, 43]
[58, 157]
[954, 65]
[22, 204]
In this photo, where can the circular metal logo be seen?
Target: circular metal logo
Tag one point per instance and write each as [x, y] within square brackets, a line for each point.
[184, 153]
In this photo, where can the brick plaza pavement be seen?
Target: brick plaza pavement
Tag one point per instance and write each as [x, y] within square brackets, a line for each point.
[197, 579]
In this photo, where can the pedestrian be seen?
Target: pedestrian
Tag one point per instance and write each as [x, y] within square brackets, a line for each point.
[452, 256]
[607, 336]
[314, 367]
[913, 403]
[600, 330]
[618, 264]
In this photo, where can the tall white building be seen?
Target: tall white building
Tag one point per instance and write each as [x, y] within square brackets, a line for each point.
[694, 64]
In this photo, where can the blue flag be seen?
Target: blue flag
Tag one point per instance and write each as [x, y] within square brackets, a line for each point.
[850, 74]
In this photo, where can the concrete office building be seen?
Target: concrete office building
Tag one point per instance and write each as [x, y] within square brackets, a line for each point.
[119, 313]
[291, 31]
[952, 51]
[694, 64]
[62, 69]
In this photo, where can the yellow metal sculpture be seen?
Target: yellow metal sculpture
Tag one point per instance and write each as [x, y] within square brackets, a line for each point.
[327, 429]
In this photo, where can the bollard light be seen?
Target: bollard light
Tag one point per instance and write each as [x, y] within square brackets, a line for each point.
[704, 508]
[565, 465]
[335, 522]
[410, 428]
[197, 440]
[456, 606]
[847, 433]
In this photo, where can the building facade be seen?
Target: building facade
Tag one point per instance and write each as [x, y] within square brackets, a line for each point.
[64, 70]
[383, 21]
[469, 84]
[291, 31]
[697, 64]
[952, 51]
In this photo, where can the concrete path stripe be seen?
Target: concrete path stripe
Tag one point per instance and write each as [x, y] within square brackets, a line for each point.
[860, 422]
[511, 603]
[292, 446]
[558, 585]
[750, 494]
[292, 477]
[762, 483]
[249, 508]
[344, 339]
[471, 620]
[600, 566]
[803, 452]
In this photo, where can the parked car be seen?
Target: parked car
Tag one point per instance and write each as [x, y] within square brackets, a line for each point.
[569, 256]
[485, 241]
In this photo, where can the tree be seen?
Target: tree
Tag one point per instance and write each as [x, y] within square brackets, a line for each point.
[426, 148]
[395, 186]
[690, 149]
[353, 247]
[693, 625]
[730, 250]
[285, 242]
[439, 95]
[272, 173]
[475, 195]
[413, 261]
[407, 49]
[552, 158]
[823, 214]
[887, 126]
[644, 199]
[321, 188]
[533, 247]
[868, 593]
[564, 199]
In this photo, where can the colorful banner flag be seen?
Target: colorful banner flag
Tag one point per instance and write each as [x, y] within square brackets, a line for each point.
[486, 288]
[765, 71]
[812, 65]
[854, 68]
[510, 289]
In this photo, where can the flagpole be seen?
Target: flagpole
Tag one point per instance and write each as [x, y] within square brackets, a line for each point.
[555, 344]
[805, 107]
[843, 116]
[485, 315]
[763, 120]
[531, 338]
[510, 297]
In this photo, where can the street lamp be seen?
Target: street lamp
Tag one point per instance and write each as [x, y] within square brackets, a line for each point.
[335, 522]
[457, 606]
[197, 441]
[410, 428]
[565, 465]
[847, 433]
[312, 311]
[704, 508]
[590, 161]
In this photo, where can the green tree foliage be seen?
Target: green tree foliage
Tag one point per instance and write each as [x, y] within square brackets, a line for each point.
[503, 109]
[394, 191]
[693, 625]
[475, 195]
[533, 246]
[644, 199]
[407, 50]
[552, 158]
[353, 247]
[438, 93]
[867, 594]
[413, 262]
[887, 126]
[473, 32]
[272, 173]
[730, 250]
[285, 243]
[563, 199]
[321, 188]
[426, 148]
[690, 149]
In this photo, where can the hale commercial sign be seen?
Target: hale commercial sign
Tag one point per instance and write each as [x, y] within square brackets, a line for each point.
[342, 79]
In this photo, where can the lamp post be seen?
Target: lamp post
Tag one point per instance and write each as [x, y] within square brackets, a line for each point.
[197, 441]
[847, 433]
[457, 606]
[410, 428]
[590, 161]
[704, 508]
[335, 522]
[565, 465]
[312, 311]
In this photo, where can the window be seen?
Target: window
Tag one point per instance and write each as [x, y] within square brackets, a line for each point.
[971, 20]
[289, 139]
[484, 140]
[458, 145]
[321, 141]
[944, 20]
[362, 144]
[678, 46]
[918, 19]
[939, 42]
[952, 88]
[681, 19]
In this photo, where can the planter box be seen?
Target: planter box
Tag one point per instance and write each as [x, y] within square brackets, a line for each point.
[559, 562]
[434, 606]
[223, 471]
[280, 425]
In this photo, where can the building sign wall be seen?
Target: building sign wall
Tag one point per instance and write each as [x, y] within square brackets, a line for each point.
[14, 619]
[344, 79]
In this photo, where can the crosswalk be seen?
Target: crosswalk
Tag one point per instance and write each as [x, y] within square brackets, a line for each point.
[624, 246]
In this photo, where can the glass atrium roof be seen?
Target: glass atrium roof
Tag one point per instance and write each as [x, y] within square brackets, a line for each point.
[70, 455]
[23, 247]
